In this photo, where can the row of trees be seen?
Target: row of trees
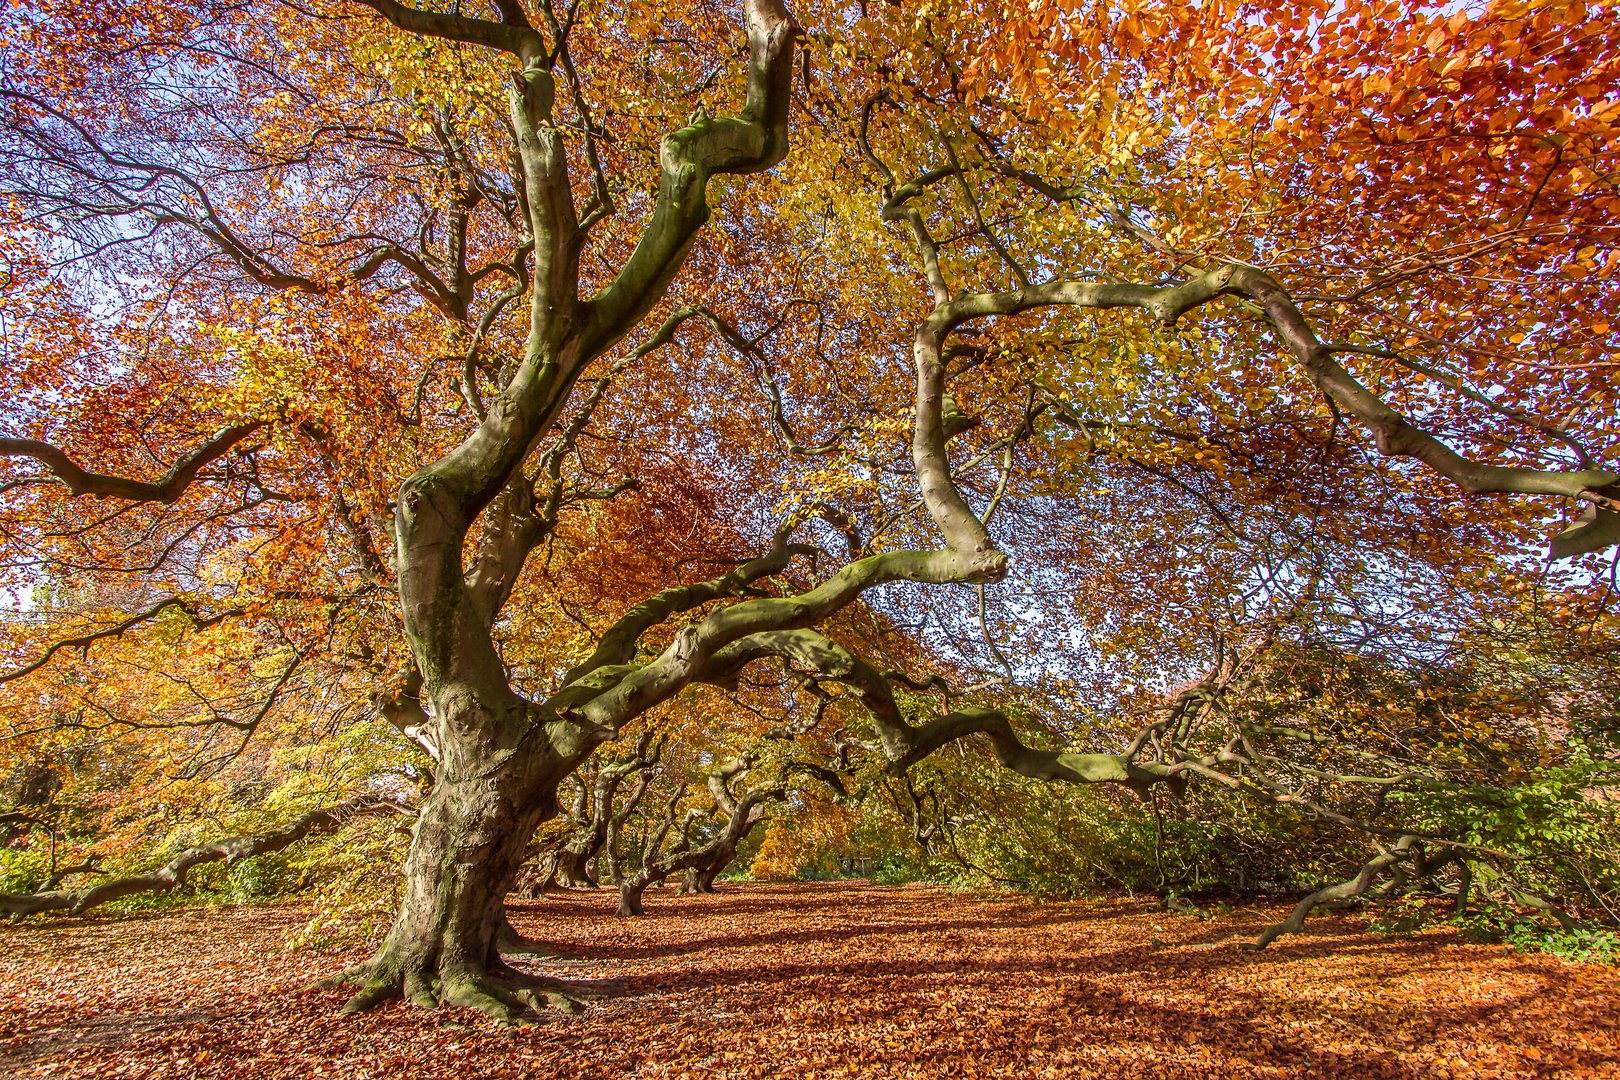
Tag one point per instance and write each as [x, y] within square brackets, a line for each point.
[413, 404]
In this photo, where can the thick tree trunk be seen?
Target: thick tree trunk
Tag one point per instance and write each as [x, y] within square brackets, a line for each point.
[471, 838]
[630, 890]
[574, 870]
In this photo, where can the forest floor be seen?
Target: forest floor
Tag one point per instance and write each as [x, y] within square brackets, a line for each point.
[824, 980]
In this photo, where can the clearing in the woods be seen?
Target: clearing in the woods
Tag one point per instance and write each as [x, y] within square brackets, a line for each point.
[843, 979]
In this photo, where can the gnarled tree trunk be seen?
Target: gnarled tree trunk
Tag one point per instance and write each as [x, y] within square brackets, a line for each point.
[471, 836]
[500, 757]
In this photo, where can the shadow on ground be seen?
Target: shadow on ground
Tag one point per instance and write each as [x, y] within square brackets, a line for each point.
[824, 980]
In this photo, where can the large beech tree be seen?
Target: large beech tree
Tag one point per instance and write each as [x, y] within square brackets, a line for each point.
[398, 296]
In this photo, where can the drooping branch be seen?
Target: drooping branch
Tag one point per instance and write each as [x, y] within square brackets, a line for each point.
[233, 850]
[1406, 861]
[160, 194]
[1393, 433]
[118, 629]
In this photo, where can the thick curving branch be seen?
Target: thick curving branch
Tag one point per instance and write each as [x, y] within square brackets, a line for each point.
[969, 556]
[904, 744]
[513, 34]
[1393, 434]
[565, 335]
[166, 489]
[753, 141]
[617, 644]
[399, 704]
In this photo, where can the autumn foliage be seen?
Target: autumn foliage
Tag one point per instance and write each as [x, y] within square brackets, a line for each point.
[1066, 446]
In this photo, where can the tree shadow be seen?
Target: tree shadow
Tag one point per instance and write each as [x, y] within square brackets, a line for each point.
[766, 960]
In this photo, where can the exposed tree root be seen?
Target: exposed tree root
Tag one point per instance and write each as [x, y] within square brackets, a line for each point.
[357, 975]
[372, 992]
[501, 992]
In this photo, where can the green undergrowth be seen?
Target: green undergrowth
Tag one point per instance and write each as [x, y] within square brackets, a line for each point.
[1500, 924]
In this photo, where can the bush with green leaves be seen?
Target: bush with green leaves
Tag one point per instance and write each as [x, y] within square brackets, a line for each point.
[1555, 834]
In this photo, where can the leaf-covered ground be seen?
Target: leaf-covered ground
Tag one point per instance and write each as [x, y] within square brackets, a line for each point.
[819, 980]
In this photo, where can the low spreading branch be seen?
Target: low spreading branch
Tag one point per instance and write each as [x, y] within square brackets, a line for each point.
[231, 851]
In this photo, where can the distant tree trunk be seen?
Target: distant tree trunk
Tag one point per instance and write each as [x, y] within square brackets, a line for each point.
[630, 890]
[610, 856]
[700, 864]
[576, 864]
[612, 867]
[574, 869]
[536, 875]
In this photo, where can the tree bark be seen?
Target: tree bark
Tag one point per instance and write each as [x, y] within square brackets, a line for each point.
[574, 870]
[501, 757]
[630, 890]
[472, 835]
